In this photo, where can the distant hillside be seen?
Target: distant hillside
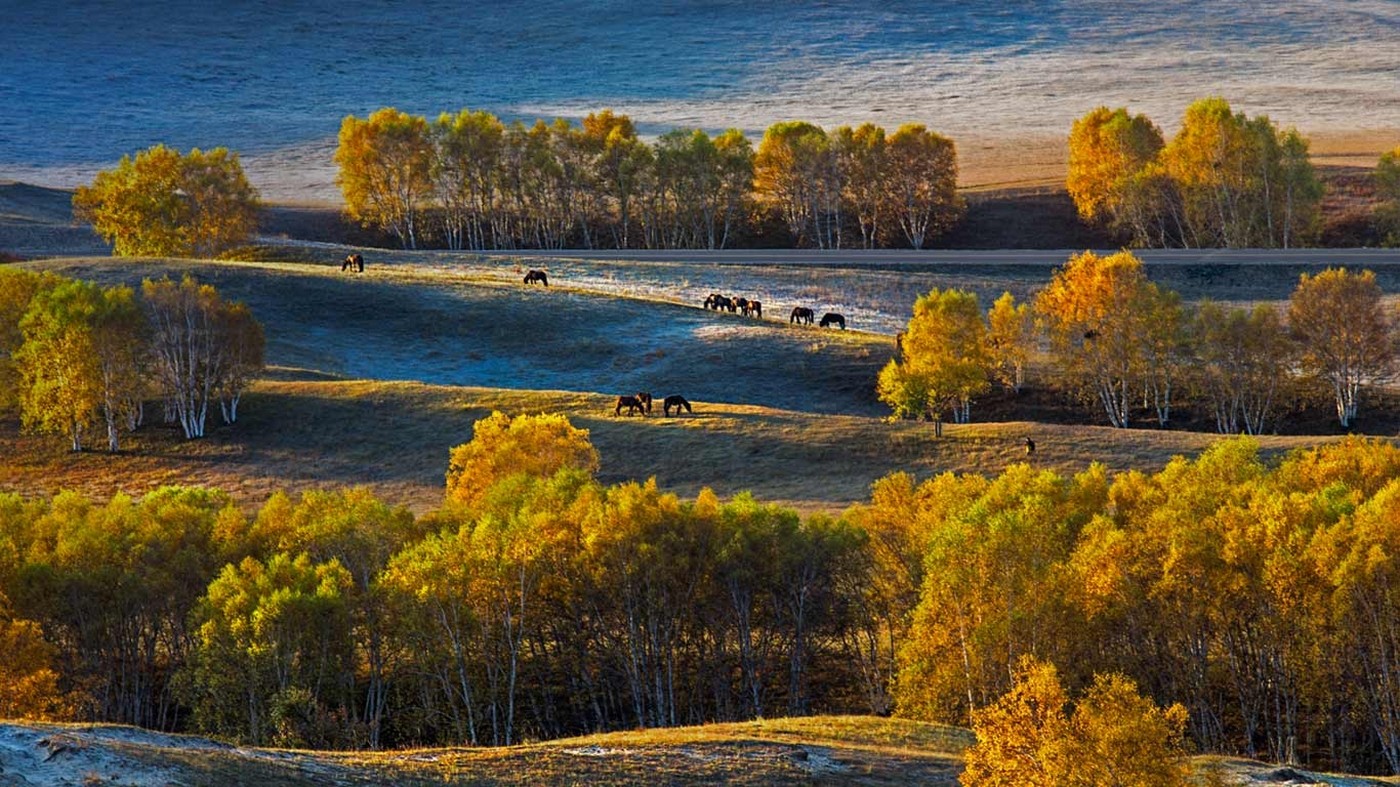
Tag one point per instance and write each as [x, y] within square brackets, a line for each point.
[38, 221]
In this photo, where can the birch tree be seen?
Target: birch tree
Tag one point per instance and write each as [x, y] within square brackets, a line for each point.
[1243, 361]
[1095, 311]
[385, 171]
[60, 378]
[1011, 339]
[945, 361]
[1345, 333]
[791, 171]
[244, 345]
[205, 350]
[121, 351]
[921, 181]
[1110, 152]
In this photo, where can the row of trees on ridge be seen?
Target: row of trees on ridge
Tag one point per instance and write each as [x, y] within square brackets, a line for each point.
[1225, 179]
[479, 183]
[1126, 344]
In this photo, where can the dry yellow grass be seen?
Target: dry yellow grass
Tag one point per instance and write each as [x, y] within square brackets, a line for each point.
[395, 436]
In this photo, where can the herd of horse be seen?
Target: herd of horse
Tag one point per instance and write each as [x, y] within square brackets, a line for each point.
[724, 303]
[640, 403]
[738, 304]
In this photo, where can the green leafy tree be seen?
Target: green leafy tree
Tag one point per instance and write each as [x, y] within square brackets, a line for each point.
[944, 363]
[17, 288]
[164, 204]
[120, 347]
[467, 149]
[267, 630]
[61, 388]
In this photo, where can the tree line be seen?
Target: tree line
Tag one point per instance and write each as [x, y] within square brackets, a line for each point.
[471, 181]
[1225, 179]
[537, 602]
[78, 359]
[1128, 346]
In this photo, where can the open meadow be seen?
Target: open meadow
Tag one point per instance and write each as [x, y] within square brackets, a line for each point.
[374, 377]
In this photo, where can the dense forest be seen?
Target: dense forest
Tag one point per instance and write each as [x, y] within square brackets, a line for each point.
[536, 602]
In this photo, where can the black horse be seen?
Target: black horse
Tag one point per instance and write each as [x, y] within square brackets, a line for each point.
[632, 404]
[645, 399]
[719, 303]
[677, 401]
[801, 315]
[832, 318]
[536, 276]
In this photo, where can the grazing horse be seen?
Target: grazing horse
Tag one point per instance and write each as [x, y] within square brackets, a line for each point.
[631, 403]
[741, 305]
[677, 401]
[832, 318]
[723, 303]
[533, 276]
[801, 315]
[645, 398]
[353, 262]
[712, 300]
[754, 309]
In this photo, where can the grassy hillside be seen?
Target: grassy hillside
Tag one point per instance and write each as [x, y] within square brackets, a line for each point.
[785, 411]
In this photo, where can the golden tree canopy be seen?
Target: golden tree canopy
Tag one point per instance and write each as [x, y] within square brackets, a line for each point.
[164, 204]
[501, 446]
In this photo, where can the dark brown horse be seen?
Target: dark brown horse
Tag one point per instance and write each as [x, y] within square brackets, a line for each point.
[645, 398]
[677, 401]
[533, 276]
[801, 315]
[632, 404]
[754, 309]
[741, 305]
[832, 318]
[353, 262]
